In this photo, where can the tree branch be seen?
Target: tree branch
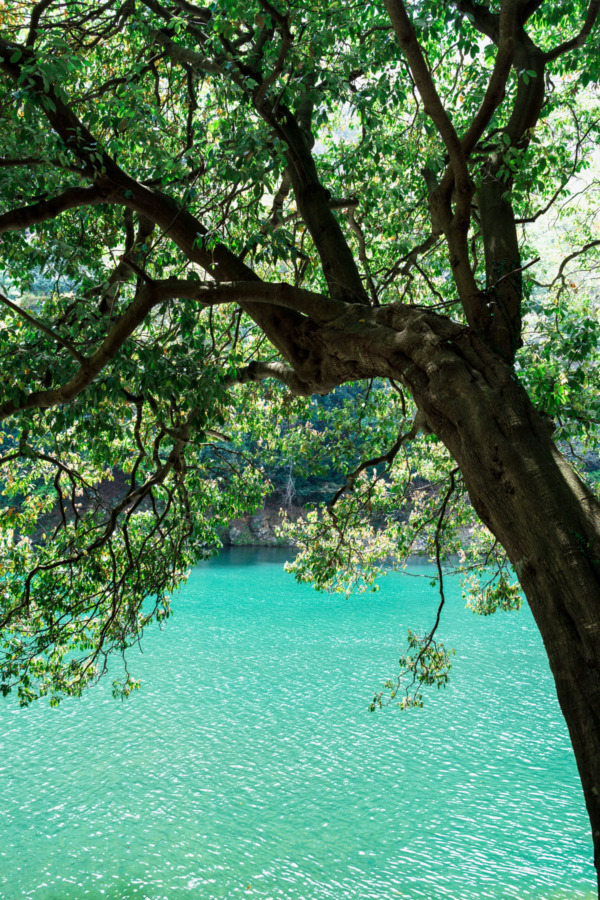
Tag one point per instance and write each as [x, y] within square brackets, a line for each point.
[19, 311]
[181, 54]
[312, 198]
[528, 8]
[411, 48]
[362, 252]
[174, 220]
[90, 367]
[313, 202]
[72, 198]
[419, 424]
[580, 39]
[454, 224]
[571, 256]
[258, 371]
[282, 325]
[151, 294]
[319, 308]
[484, 20]
[97, 163]
[36, 14]
[497, 84]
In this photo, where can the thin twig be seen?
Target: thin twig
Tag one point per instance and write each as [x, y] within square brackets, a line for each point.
[19, 311]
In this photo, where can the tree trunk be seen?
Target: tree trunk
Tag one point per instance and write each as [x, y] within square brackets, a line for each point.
[528, 496]
[519, 483]
[545, 517]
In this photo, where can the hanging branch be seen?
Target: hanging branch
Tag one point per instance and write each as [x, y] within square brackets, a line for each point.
[418, 424]
[35, 323]
[432, 662]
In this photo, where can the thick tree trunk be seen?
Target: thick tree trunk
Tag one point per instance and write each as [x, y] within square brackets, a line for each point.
[545, 517]
[528, 496]
[519, 483]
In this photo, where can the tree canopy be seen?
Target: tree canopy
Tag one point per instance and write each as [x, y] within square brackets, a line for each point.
[213, 220]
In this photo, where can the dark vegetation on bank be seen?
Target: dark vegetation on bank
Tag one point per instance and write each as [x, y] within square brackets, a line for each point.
[295, 480]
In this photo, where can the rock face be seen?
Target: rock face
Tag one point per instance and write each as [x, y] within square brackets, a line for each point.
[260, 529]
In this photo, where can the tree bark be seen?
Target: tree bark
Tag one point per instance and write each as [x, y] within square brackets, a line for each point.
[528, 496]
[519, 483]
[545, 517]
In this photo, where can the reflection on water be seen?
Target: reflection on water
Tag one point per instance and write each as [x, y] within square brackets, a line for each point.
[249, 766]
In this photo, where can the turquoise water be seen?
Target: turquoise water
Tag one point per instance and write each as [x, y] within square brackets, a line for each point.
[249, 766]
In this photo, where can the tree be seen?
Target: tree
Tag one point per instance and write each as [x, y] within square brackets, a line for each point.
[303, 195]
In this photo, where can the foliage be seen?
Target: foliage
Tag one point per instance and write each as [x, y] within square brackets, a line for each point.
[427, 663]
[186, 194]
[495, 595]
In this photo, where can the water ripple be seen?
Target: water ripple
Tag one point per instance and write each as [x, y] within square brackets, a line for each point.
[248, 766]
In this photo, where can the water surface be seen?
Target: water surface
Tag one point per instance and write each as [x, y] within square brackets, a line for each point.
[249, 766]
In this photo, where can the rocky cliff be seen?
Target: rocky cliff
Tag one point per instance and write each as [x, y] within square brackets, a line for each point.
[260, 529]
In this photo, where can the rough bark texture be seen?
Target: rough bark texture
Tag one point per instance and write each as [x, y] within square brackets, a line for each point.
[549, 523]
[519, 483]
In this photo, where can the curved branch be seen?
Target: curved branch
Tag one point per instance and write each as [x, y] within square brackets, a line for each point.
[313, 201]
[20, 64]
[580, 39]
[36, 15]
[72, 198]
[528, 8]
[568, 259]
[124, 326]
[312, 198]
[180, 54]
[411, 48]
[316, 306]
[19, 311]
[484, 20]
[497, 84]
[151, 294]
[280, 371]
[419, 424]
[178, 223]
[127, 504]
[454, 224]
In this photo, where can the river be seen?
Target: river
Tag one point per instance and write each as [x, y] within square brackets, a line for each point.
[248, 765]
